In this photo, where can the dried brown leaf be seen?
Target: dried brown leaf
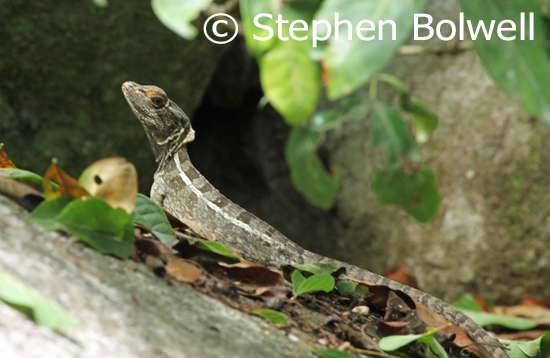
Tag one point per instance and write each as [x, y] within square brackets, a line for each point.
[403, 275]
[4, 161]
[68, 186]
[184, 270]
[251, 275]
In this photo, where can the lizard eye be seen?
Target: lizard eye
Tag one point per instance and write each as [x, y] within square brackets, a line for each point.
[157, 101]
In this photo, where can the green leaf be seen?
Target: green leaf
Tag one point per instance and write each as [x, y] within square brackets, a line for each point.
[217, 248]
[307, 172]
[467, 302]
[415, 193]
[333, 353]
[362, 290]
[291, 80]
[45, 213]
[322, 282]
[98, 225]
[101, 3]
[390, 131]
[272, 316]
[24, 176]
[177, 15]
[520, 68]
[350, 64]
[347, 288]
[538, 348]
[251, 8]
[393, 343]
[297, 279]
[425, 121]
[349, 109]
[43, 310]
[320, 267]
[437, 349]
[148, 214]
[485, 319]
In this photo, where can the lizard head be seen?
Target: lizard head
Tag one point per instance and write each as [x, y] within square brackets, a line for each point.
[167, 126]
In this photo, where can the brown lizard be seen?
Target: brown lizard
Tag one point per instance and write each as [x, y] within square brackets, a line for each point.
[181, 190]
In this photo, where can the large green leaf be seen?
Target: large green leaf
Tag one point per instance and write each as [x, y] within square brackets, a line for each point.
[415, 193]
[307, 172]
[31, 302]
[291, 80]
[538, 348]
[96, 223]
[45, 213]
[290, 10]
[390, 131]
[178, 14]
[520, 67]
[149, 214]
[350, 64]
[249, 10]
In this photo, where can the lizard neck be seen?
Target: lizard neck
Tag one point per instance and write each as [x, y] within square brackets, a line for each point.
[186, 194]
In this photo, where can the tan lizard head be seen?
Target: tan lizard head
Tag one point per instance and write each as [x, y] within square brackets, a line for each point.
[167, 126]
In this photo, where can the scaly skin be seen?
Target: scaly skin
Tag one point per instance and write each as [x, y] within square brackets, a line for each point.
[181, 190]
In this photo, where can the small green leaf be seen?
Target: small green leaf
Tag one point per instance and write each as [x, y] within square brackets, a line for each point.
[45, 213]
[217, 248]
[272, 316]
[297, 279]
[362, 290]
[24, 176]
[31, 302]
[148, 214]
[97, 224]
[485, 319]
[393, 343]
[347, 288]
[333, 353]
[320, 267]
[415, 193]
[322, 282]
[349, 109]
[390, 131]
[307, 172]
[291, 80]
[538, 348]
[467, 302]
[425, 121]
[437, 349]
[177, 15]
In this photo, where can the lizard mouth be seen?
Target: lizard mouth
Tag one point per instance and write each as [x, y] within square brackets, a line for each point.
[130, 89]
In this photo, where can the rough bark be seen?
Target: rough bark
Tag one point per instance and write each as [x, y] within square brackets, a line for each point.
[124, 308]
